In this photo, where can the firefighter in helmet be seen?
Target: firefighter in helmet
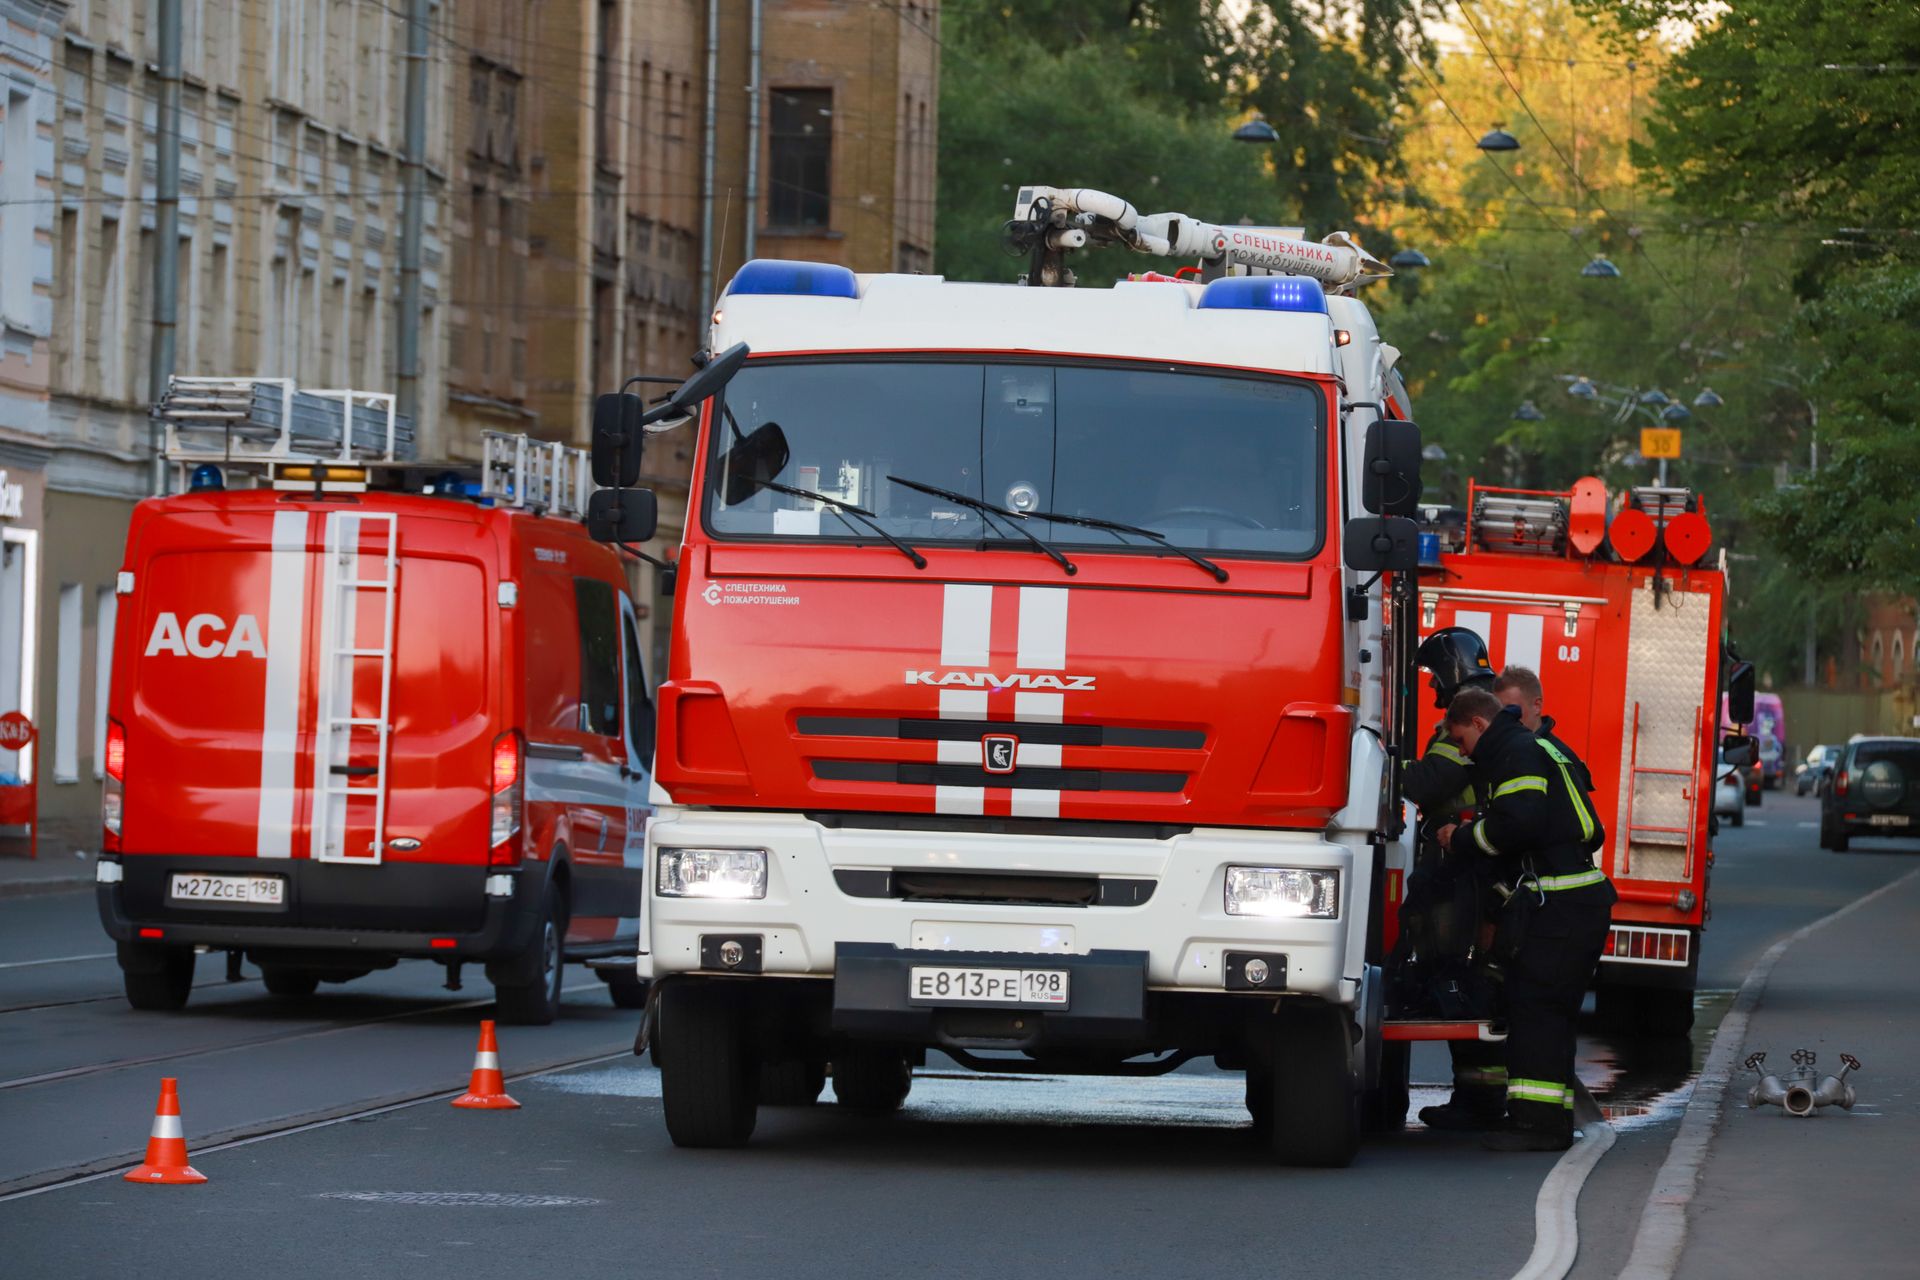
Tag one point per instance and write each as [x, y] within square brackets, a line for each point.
[1536, 824]
[1441, 919]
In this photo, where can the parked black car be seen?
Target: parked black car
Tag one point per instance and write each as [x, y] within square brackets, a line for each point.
[1875, 791]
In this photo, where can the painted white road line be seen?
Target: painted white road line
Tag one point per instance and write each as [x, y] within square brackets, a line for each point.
[1810, 826]
[28, 964]
[1662, 1235]
[1756, 822]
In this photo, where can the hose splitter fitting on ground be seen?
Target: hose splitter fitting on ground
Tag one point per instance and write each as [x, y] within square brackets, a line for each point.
[1800, 1094]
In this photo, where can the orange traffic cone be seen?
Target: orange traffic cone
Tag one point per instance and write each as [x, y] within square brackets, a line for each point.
[487, 1091]
[167, 1146]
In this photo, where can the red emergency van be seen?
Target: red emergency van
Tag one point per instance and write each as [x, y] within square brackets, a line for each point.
[369, 710]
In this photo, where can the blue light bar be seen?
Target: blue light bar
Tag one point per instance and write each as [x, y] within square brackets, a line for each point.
[787, 276]
[1265, 293]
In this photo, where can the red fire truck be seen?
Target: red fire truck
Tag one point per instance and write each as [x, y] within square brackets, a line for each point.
[1037, 681]
[1622, 620]
[367, 709]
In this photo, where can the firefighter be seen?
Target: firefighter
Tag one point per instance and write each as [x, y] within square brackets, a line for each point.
[1520, 687]
[1442, 915]
[1534, 822]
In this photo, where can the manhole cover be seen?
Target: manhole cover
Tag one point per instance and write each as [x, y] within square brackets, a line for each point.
[482, 1199]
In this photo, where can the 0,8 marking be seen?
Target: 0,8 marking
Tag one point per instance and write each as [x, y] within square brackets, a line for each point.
[1569, 653]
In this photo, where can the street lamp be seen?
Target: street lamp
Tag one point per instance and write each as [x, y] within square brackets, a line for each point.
[1408, 260]
[1528, 412]
[1675, 413]
[1583, 389]
[1708, 399]
[1256, 130]
[1600, 269]
[1498, 139]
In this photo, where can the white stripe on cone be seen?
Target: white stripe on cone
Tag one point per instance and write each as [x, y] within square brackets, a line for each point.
[168, 1127]
[486, 1061]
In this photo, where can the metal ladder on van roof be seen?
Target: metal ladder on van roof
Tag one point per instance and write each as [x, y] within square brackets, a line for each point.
[337, 781]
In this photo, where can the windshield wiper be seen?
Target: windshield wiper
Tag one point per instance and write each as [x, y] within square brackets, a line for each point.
[1012, 519]
[1114, 526]
[843, 510]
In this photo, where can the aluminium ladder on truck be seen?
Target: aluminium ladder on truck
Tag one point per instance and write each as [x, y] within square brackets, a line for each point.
[336, 440]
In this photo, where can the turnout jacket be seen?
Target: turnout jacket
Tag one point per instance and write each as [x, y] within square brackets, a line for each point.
[1533, 808]
[1575, 764]
[1441, 780]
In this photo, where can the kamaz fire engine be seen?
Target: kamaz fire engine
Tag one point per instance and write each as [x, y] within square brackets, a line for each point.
[367, 708]
[1036, 683]
[1621, 619]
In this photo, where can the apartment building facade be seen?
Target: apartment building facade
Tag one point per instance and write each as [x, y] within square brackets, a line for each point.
[572, 238]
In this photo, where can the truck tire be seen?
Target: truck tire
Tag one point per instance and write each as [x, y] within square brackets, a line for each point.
[157, 979]
[1315, 1101]
[709, 1081]
[871, 1079]
[1387, 1102]
[794, 1083]
[291, 984]
[526, 988]
[1665, 1011]
[626, 988]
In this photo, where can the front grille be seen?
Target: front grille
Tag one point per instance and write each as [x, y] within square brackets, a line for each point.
[998, 888]
[913, 773]
[1064, 735]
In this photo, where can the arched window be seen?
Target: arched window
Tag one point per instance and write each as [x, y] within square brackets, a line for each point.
[1899, 652]
[1879, 653]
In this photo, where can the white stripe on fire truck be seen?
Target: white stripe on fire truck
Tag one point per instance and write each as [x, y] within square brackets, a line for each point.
[960, 800]
[963, 704]
[960, 753]
[280, 707]
[1038, 755]
[1039, 708]
[966, 625]
[1043, 629]
[1480, 623]
[1036, 804]
[1524, 631]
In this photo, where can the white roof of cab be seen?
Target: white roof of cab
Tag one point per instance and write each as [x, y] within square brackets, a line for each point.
[1134, 319]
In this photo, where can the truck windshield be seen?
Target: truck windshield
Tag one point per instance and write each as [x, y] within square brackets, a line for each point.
[1211, 461]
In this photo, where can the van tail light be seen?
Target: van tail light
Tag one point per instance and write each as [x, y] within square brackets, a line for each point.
[112, 788]
[1840, 784]
[508, 799]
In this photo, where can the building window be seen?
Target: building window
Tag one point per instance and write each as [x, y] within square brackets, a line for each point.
[1899, 652]
[17, 207]
[801, 158]
[106, 606]
[66, 689]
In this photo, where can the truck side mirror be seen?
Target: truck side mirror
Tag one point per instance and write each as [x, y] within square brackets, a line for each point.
[1391, 468]
[1381, 544]
[617, 435]
[1738, 750]
[622, 515]
[755, 458]
[1740, 693]
[706, 381]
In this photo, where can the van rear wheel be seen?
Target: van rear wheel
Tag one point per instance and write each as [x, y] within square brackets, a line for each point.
[871, 1079]
[157, 979]
[292, 984]
[526, 989]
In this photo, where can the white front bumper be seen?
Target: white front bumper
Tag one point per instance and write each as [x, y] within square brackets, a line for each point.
[1183, 927]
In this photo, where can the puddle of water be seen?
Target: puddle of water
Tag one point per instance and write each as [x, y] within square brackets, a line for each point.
[1640, 1082]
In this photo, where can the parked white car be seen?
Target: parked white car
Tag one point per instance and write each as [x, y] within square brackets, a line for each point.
[1729, 792]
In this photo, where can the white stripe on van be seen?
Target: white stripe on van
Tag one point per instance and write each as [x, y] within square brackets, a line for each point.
[280, 706]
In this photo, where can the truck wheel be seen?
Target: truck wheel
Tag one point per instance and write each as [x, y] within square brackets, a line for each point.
[792, 1083]
[626, 988]
[292, 984]
[1387, 1103]
[1665, 1012]
[158, 979]
[709, 1082]
[870, 1079]
[1316, 1112]
[526, 989]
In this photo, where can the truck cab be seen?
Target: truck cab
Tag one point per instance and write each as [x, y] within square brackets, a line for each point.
[1022, 705]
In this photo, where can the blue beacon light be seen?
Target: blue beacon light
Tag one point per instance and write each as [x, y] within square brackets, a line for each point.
[1265, 293]
[790, 277]
[205, 477]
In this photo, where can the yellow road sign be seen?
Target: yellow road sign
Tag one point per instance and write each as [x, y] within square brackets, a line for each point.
[1659, 442]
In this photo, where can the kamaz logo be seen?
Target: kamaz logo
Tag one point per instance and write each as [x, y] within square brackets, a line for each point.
[997, 684]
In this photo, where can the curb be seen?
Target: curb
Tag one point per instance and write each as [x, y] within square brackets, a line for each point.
[33, 888]
[1662, 1234]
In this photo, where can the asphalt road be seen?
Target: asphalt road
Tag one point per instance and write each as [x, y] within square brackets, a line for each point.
[1066, 1177]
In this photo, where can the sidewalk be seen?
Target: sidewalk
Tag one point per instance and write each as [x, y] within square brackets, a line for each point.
[1831, 1194]
[49, 873]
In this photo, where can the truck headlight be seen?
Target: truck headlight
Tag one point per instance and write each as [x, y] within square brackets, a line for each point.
[1296, 892]
[712, 873]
